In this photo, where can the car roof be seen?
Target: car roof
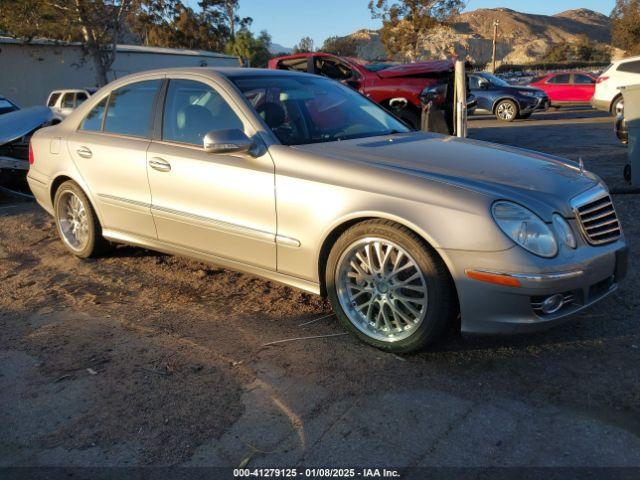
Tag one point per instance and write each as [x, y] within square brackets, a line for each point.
[226, 72]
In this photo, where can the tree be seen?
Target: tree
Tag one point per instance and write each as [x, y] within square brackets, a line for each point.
[625, 29]
[343, 46]
[304, 46]
[254, 52]
[404, 22]
[582, 50]
[95, 23]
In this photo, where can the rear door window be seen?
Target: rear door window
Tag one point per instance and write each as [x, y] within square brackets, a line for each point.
[582, 79]
[295, 64]
[562, 78]
[129, 109]
[68, 100]
[630, 67]
[93, 121]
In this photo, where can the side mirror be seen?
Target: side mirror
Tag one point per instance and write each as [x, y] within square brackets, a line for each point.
[484, 85]
[226, 141]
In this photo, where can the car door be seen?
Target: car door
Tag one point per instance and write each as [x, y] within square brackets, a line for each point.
[220, 204]
[583, 87]
[483, 97]
[109, 149]
[557, 87]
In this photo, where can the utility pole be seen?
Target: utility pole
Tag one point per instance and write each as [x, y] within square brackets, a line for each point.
[495, 38]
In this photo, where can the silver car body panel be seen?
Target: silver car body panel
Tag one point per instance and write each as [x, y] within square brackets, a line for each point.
[275, 214]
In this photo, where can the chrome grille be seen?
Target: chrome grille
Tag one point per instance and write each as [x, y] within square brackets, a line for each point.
[598, 220]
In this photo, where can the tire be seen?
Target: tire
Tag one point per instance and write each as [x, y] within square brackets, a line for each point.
[506, 110]
[77, 223]
[614, 105]
[409, 309]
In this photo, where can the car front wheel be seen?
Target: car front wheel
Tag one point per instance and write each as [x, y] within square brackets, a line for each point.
[77, 223]
[506, 110]
[388, 288]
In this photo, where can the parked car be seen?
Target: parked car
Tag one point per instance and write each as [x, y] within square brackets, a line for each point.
[63, 102]
[7, 106]
[507, 102]
[398, 88]
[16, 128]
[566, 88]
[302, 180]
[620, 73]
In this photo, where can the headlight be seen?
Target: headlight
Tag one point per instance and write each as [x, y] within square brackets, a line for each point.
[525, 228]
[528, 93]
[563, 230]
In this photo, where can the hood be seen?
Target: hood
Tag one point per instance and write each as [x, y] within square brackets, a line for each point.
[14, 125]
[417, 69]
[539, 181]
[527, 89]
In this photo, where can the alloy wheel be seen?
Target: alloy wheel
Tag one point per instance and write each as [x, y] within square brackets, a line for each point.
[506, 111]
[381, 289]
[72, 220]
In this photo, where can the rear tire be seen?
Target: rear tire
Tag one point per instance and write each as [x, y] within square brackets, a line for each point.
[388, 288]
[77, 223]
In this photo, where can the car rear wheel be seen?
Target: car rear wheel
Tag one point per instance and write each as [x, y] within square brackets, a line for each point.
[77, 223]
[506, 110]
[388, 288]
[615, 104]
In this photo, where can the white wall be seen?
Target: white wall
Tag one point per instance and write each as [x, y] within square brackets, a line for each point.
[29, 72]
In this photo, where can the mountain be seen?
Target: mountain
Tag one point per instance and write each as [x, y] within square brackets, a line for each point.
[276, 48]
[522, 37]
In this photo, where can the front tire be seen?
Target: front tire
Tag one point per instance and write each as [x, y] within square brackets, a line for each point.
[506, 110]
[388, 288]
[77, 223]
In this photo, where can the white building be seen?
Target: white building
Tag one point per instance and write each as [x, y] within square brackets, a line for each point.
[29, 71]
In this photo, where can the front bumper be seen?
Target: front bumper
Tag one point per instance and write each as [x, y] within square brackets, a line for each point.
[584, 277]
[532, 104]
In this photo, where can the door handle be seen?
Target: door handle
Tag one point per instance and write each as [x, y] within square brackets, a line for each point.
[160, 164]
[84, 152]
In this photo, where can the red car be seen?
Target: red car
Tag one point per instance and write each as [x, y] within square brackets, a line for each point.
[396, 87]
[567, 88]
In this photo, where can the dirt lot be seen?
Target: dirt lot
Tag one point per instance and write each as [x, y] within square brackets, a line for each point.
[144, 359]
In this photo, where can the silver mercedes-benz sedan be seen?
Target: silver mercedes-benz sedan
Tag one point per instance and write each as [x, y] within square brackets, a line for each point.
[301, 180]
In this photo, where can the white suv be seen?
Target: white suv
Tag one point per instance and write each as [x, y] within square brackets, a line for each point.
[63, 102]
[619, 74]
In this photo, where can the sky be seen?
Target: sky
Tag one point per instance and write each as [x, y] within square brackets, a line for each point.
[289, 20]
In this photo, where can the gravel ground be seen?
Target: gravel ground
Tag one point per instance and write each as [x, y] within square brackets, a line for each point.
[139, 358]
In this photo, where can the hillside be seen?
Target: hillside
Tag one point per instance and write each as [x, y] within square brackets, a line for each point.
[522, 37]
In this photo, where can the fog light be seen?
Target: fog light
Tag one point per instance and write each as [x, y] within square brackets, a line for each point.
[552, 304]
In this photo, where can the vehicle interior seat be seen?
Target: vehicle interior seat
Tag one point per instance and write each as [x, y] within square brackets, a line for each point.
[193, 122]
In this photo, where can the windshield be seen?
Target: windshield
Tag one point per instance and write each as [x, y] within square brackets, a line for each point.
[497, 81]
[310, 109]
